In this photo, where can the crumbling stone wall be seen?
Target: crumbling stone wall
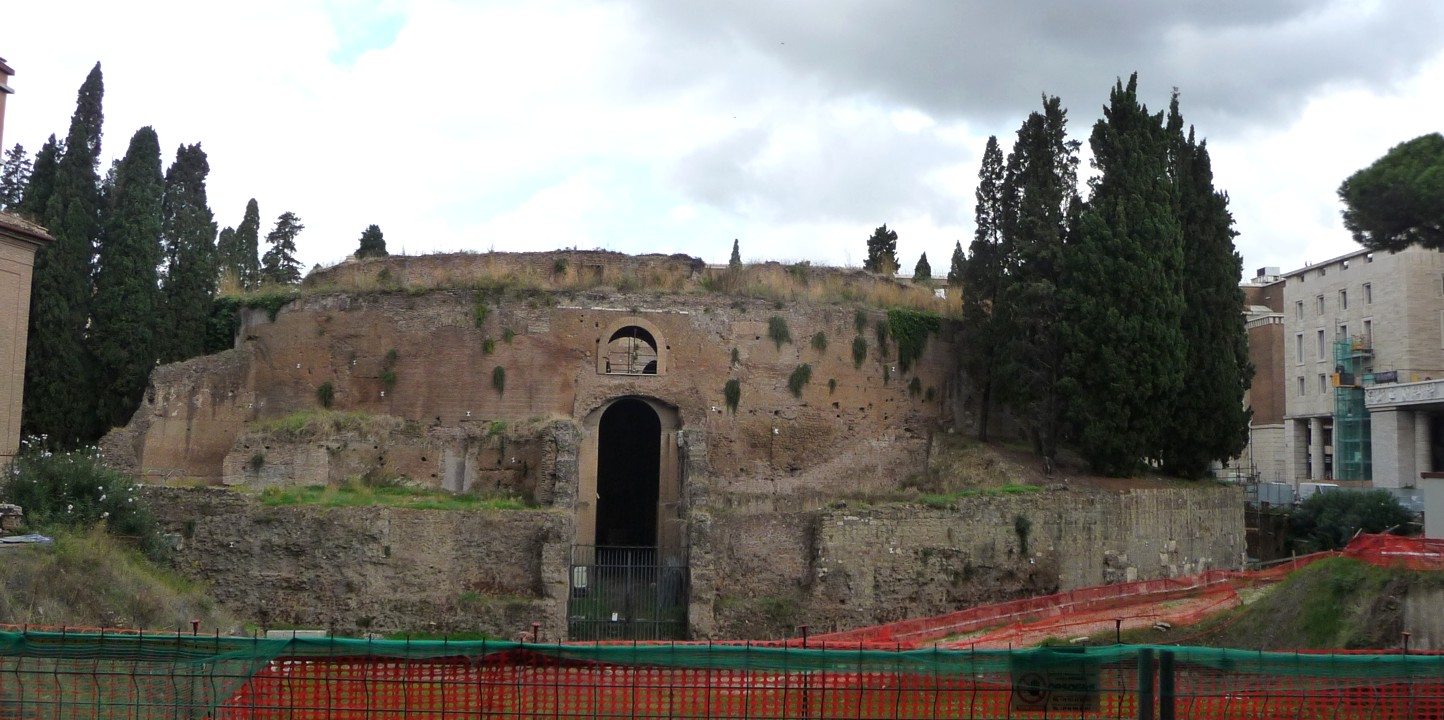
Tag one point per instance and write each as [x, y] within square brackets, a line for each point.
[372, 569]
[838, 567]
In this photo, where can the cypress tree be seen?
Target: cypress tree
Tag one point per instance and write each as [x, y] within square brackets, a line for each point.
[922, 272]
[372, 243]
[981, 277]
[189, 239]
[1208, 420]
[125, 319]
[955, 268]
[1122, 301]
[59, 397]
[1037, 206]
[228, 258]
[41, 183]
[14, 177]
[882, 252]
[279, 265]
[248, 246]
[736, 260]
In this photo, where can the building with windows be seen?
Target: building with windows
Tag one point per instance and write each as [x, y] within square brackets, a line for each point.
[19, 240]
[1263, 457]
[1358, 330]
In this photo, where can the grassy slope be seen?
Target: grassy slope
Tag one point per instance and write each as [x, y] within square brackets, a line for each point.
[1332, 604]
[92, 580]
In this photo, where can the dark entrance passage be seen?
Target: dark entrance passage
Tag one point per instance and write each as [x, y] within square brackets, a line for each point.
[629, 451]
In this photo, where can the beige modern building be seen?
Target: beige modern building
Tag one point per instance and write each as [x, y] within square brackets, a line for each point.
[1358, 330]
[19, 240]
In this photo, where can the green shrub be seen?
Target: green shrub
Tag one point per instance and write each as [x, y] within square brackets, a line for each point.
[497, 427]
[559, 267]
[735, 357]
[883, 332]
[74, 490]
[1023, 527]
[831, 385]
[819, 341]
[859, 320]
[777, 331]
[732, 392]
[498, 379]
[886, 374]
[507, 335]
[911, 328]
[1328, 520]
[488, 346]
[859, 351]
[325, 394]
[800, 377]
[479, 309]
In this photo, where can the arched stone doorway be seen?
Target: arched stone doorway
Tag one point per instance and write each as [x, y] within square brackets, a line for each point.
[629, 438]
[629, 572]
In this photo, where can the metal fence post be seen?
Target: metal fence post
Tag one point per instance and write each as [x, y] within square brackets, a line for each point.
[1145, 684]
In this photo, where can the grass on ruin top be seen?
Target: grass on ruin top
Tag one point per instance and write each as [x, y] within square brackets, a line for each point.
[314, 423]
[770, 281]
[357, 495]
[948, 499]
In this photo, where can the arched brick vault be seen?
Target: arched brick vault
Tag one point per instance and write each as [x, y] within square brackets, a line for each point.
[670, 507]
[663, 350]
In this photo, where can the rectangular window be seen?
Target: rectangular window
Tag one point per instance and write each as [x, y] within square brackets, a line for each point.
[1299, 309]
[1369, 333]
[1321, 305]
[1299, 348]
[1343, 331]
[1301, 386]
[1321, 345]
[1343, 300]
[1323, 384]
[1368, 294]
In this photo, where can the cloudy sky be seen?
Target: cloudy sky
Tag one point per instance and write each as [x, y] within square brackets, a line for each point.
[678, 125]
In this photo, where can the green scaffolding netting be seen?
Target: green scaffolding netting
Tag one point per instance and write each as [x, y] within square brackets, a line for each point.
[66, 675]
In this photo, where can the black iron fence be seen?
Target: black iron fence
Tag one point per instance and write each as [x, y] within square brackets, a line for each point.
[627, 593]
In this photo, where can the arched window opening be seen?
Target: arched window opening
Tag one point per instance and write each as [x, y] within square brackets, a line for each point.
[630, 351]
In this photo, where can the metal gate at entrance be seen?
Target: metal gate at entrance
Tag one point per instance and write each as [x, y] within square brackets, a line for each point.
[627, 593]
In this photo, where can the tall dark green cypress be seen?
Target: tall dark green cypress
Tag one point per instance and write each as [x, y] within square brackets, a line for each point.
[1208, 421]
[41, 184]
[59, 398]
[248, 246]
[980, 275]
[373, 243]
[228, 257]
[188, 238]
[124, 322]
[1122, 298]
[1039, 204]
[955, 268]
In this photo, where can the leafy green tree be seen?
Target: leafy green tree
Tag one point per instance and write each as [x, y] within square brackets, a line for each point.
[41, 183]
[189, 241]
[248, 246]
[1038, 208]
[980, 275]
[14, 177]
[1328, 520]
[955, 269]
[922, 272]
[1207, 421]
[279, 265]
[1399, 200]
[372, 243]
[1122, 299]
[124, 323]
[882, 252]
[736, 260]
[59, 399]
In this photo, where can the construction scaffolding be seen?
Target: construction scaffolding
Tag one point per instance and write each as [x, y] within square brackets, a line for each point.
[1353, 450]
